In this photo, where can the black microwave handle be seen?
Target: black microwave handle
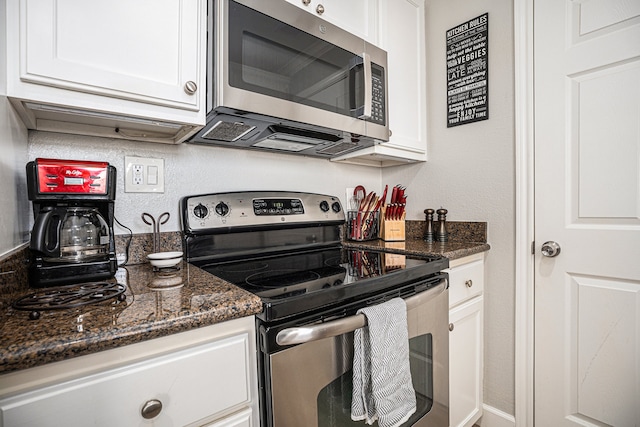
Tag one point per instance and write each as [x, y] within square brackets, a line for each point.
[48, 219]
[365, 110]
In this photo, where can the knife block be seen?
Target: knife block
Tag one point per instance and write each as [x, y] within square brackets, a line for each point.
[392, 230]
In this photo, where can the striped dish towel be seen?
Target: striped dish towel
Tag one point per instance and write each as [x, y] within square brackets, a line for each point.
[382, 387]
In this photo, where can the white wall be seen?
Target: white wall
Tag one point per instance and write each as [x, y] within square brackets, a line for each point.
[195, 169]
[14, 206]
[471, 172]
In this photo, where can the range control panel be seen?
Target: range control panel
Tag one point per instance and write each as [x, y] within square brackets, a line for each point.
[257, 208]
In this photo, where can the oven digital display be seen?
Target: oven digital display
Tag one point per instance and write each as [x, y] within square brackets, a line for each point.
[278, 207]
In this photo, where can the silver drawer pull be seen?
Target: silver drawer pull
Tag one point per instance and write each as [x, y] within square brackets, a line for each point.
[320, 9]
[190, 87]
[151, 409]
[469, 283]
[334, 328]
[451, 327]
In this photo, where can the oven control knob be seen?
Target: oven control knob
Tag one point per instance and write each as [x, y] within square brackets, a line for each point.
[222, 209]
[324, 206]
[201, 211]
[336, 207]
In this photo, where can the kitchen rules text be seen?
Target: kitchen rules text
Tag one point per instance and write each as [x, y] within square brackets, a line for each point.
[468, 72]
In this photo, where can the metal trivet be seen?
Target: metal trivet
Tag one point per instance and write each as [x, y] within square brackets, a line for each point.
[66, 297]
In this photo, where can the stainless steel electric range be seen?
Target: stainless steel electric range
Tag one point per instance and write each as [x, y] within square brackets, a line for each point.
[286, 248]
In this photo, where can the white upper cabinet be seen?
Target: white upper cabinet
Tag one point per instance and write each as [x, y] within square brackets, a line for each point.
[402, 35]
[118, 68]
[359, 17]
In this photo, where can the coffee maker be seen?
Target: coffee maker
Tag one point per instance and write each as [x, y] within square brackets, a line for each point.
[72, 240]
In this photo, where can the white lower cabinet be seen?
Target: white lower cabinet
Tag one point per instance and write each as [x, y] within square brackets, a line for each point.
[466, 287]
[205, 377]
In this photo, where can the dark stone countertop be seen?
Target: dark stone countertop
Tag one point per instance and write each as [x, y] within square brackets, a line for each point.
[156, 305]
[419, 247]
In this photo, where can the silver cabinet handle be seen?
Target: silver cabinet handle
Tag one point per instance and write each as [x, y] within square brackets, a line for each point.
[451, 326]
[550, 249]
[151, 409]
[334, 328]
[306, 2]
[469, 283]
[320, 9]
[190, 87]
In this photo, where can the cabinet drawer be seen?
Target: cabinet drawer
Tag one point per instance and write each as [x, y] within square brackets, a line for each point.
[190, 384]
[466, 281]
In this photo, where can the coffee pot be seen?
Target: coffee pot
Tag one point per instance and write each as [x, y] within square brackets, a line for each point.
[70, 234]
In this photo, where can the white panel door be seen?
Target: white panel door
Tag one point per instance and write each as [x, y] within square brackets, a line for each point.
[587, 199]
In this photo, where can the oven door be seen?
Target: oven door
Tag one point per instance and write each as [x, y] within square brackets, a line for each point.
[310, 384]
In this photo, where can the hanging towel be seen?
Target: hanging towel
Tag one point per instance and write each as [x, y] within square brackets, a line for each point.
[382, 387]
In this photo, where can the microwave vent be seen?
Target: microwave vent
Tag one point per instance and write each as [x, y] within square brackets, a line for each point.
[228, 131]
[339, 148]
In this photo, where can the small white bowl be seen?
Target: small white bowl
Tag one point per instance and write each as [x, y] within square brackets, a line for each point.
[165, 259]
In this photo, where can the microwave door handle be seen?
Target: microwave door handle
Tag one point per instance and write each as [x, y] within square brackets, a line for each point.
[303, 334]
[368, 87]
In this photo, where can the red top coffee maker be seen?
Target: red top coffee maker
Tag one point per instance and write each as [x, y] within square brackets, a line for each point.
[72, 240]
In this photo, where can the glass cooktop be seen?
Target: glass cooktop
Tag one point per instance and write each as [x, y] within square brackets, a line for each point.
[300, 282]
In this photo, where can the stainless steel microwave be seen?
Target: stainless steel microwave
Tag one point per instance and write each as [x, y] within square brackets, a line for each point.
[285, 80]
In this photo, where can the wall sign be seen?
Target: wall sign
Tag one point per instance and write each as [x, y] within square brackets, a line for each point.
[468, 72]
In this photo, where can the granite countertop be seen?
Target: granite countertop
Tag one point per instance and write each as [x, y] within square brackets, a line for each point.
[160, 304]
[419, 247]
[156, 305]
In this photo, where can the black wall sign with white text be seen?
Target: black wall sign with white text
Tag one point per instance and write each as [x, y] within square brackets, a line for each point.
[468, 72]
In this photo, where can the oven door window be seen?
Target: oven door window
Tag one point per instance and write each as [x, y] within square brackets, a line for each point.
[303, 374]
[272, 58]
[334, 400]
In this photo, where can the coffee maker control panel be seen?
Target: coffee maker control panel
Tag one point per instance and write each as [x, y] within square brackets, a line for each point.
[71, 177]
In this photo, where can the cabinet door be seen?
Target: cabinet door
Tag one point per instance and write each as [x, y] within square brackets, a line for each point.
[358, 17]
[403, 36]
[465, 363]
[241, 419]
[401, 33]
[190, 385]
[143, 50]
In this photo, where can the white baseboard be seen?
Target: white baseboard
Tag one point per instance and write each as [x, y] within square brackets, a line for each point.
[492, 417]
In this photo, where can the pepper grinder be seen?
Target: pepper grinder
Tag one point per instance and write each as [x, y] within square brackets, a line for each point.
[428, 234]
[441, 233]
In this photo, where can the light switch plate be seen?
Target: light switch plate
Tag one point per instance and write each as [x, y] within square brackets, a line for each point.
[143, 175]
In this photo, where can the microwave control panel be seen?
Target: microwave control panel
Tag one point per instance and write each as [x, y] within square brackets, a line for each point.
[378, 98]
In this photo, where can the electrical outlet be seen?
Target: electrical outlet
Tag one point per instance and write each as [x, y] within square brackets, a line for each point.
[143, 175]
[138, 175]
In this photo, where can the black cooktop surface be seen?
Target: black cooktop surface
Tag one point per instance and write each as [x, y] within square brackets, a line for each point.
[296, 283]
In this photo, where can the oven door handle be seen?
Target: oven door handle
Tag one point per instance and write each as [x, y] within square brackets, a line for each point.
[303, 334]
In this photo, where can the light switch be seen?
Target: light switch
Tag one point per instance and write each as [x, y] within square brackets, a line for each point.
[152, 175]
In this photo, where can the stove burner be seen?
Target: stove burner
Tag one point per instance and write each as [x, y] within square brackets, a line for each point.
[280, 278]
[333, 262]
[244, 267]
[65, 297]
